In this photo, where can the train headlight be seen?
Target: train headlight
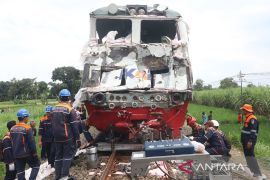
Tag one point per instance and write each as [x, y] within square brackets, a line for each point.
[132, 11]
[124, 98]
[141, 11]
[137, 9]
[153, 106]
[176, 98]
[158, 98]
[118, 98]
[135, 98]
[134, 104]
[111, 105]
[112, 9]
[111, 97]
[99, 98]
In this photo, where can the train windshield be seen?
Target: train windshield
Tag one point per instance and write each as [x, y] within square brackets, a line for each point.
[143, 59]
[113, 29]
[152, 31]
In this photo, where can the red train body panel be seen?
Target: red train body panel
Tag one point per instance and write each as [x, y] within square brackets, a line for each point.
[102, 119]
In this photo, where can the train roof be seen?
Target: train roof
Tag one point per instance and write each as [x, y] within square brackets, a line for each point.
[134, 11]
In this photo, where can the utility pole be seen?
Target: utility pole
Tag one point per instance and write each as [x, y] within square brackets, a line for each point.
[240, 76]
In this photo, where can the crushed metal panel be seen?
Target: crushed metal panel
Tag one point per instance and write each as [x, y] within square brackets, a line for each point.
[129, 60]
[112, 78]
[181, 78]
[94, 75]
[136, 78]
[154, 63]
[159, 50]
[162, 80]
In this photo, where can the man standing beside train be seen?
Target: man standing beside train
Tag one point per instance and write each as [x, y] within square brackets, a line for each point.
[249, 138]
[65, 133]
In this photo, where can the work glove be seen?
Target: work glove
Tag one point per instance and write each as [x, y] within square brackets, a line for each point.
[78, 143]
[40, 143]
[249, 145]
[191, 138]
[11, 167]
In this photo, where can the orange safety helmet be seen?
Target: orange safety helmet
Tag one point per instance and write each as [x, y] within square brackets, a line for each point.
[191, 121]
[247, 107]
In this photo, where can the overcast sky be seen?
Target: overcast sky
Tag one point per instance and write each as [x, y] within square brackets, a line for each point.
[226, 36]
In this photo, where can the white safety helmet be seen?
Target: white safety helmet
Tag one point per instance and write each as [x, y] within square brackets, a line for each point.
[215, 123]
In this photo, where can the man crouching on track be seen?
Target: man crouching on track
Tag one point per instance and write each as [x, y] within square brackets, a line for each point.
[66, 135]
[214, 143]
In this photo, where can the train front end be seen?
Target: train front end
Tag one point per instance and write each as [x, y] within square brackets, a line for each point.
[137, 78]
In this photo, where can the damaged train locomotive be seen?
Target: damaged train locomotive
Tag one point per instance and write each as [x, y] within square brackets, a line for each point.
[137, 78]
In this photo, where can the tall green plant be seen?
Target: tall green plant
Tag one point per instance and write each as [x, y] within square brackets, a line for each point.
[259, 97]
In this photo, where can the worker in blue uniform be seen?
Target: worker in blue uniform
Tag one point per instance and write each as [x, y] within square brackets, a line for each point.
[66, 135]
[8, 154]
[45, 139]
[249, 138]
[84, 129]
[24, 147]
[213, 141]
[225, 139]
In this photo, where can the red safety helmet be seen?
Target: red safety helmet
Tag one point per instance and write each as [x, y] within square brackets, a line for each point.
[191, 121]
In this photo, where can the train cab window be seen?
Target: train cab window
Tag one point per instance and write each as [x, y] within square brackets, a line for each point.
[122, 26]
[153, 30]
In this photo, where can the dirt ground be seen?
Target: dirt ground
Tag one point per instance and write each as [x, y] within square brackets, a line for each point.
[238, 157]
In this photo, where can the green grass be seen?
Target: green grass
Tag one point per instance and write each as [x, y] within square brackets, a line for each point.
[259, 97]
[36, 112]
[229, 125]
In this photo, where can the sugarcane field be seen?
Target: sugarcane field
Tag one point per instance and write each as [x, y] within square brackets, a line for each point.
[134, 90]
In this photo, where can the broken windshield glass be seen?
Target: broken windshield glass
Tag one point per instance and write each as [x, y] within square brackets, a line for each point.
[113, 28]
[153, 30]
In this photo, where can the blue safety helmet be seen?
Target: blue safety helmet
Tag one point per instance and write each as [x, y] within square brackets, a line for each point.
[23, 113]
[48, 109]
[64, 93]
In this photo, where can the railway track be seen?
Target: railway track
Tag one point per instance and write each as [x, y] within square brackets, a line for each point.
[109, 166]
[116, 165]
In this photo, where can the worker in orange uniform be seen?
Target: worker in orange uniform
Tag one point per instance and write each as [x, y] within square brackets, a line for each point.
[249, 138]
[65, 133]
[197, 130]
[45, 136]
[8, 154]
[24, 146]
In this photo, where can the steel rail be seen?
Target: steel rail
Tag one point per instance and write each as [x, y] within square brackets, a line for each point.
[108, 168]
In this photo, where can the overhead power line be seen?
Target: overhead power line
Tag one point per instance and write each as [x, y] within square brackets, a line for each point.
[262, 73]
[241, 77]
